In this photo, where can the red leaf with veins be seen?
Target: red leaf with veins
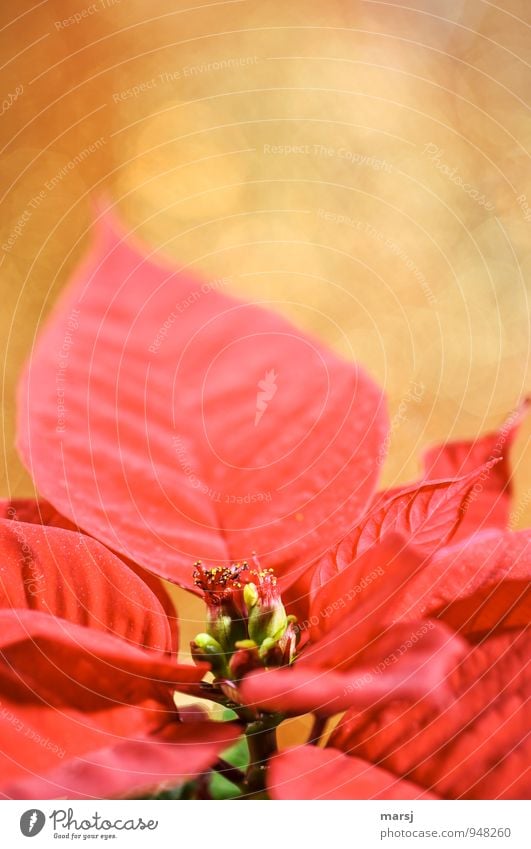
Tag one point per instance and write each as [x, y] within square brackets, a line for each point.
[154, 447]
[389, 669]
[67, 664]
[26, 719]
[40, 512]
[426, 514]
[492, 505]
[35, 512]
[359, 598]
[311, 773]
[477, 747]
[75, 675]
[477, 586]
[77, 689]
[71, 575]
[172, 756]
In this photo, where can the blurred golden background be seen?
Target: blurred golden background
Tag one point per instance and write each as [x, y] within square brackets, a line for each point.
[363, 167]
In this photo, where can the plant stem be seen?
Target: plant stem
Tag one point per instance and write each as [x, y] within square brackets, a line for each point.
[203, 789]
[230, 772]
[317, 731]
[262, 741]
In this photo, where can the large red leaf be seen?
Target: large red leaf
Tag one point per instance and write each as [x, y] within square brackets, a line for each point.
[36, 737]
[71, 575]
[66, 690]
[41, 512]
[426, 515]
[478, 747]
[179, 423]
[85, 667]
[311, 773]
[491, 502]
[357, 600]
[112, 768]
[34, 511]
[478, 586]
[409, 663]
[503, 607]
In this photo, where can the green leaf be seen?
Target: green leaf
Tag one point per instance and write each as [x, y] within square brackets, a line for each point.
[221, 788]
[238, 756]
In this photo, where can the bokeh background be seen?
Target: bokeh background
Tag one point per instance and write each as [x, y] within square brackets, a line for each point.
[363, 166]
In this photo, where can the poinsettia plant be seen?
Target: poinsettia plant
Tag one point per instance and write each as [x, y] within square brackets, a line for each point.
[176, 433]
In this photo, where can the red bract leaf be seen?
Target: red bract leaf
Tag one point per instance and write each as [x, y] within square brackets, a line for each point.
[42, 513]
[173, 422]
[410, 664]
[67, 690]
[477, 586]
[35, 512]
[36, 737]
[361, 595]
[70, 575]
[491, 505]
[425, 514]
[491, 610]
[311, 773]
[172, 756]
[83, 667]
[478, 747]
[75, 675]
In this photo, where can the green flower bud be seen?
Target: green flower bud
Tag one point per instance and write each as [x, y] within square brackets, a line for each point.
[267, 622]
[205, 648]
[207, 643]
[220, 627]
[267, 619]
[250, 595]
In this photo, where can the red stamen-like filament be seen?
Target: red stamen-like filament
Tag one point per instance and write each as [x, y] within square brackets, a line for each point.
[218, 582]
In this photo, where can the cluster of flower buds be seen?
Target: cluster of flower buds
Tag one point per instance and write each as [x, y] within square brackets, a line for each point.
[247, 626]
